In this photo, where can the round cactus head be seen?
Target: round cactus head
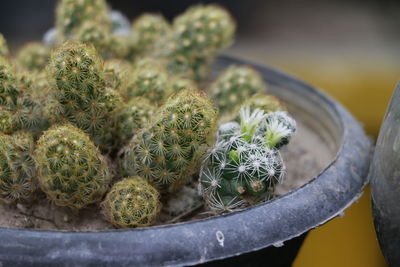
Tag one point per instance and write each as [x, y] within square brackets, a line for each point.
[151, 30]
[33, 56]
[3, 46]
[92, 33]
[71, 14]
[71, 170]
[235, 84]
[177, 83]
[264, 102]
[132, 202]
[18, 170]
[204, 29]
[170, 149]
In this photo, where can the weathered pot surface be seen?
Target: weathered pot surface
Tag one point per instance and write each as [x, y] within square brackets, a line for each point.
[343, 153]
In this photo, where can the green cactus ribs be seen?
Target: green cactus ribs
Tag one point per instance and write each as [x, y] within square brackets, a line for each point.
[132, 202]
[170, 149]
[71, 170]
[17, 167]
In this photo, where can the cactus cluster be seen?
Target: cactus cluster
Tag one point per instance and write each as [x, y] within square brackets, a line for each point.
[244, 165]
[167, 152]
[131, 202]
[101, 95]
[17, 167]
[71, 170]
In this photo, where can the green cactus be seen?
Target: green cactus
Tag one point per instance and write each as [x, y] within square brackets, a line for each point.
[80, 89]
[240, 169]
[3, 46]
[72, 14]
[90, 32]
[151, 29]
[264, 102]
[234, 85]
[149, 80]
[18, 169]
[198, 35]
[169, 150]
[176, 83]
[71, 170]
[132, 202]
[16, 99]
[132, 117]
[33, 56]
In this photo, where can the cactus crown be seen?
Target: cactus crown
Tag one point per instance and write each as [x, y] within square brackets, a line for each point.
[235, 84]
[18, 170]
[71, 170]
[71, 14]
[151, 29]
[171, 147]
[249, 122]
[3, 46]
[33, 56]
[131, 202]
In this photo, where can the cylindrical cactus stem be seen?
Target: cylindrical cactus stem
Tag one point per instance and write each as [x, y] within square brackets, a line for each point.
[3, 46]
[33, 56]
[132, 202]
[234, 85]
[152, 30]
[80, 88]
[71, 14]
[18, 170]
[71, 170]
[132, 117]
[169, 151]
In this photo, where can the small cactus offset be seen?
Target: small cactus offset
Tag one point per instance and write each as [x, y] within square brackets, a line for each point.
[80, 89]
[33, 56]
[71, 170]
[71, 14]
[3, 46]
[149, 80]
[152, 30]
[235, 84]
[132, 202]
[244, 165]
[132, 117]
[17, 168]
[171, 148]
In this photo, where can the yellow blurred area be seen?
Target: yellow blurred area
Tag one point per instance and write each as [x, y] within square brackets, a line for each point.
[364, 87]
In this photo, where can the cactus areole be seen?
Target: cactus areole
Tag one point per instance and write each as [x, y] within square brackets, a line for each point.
[280, 222]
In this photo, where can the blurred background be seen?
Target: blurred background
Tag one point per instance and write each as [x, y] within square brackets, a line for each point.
[348, 48]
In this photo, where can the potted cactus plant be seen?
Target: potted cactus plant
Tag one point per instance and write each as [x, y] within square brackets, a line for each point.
[104, 127]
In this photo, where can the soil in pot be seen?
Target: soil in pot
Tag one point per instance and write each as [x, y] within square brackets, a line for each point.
[305, 156]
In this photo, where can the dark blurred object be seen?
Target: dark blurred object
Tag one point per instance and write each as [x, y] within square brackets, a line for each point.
[385, 183]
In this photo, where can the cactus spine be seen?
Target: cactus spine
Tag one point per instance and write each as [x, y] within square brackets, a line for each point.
[132, 202]
[17, 167]
[71, 170]
[170, 149]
